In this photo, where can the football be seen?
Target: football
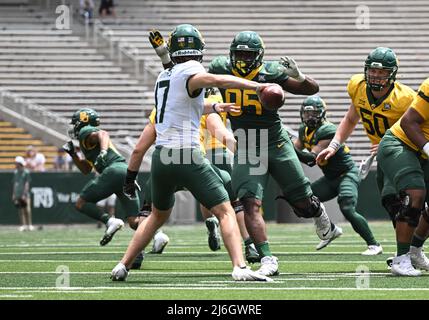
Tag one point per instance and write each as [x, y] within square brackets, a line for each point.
[272, 97]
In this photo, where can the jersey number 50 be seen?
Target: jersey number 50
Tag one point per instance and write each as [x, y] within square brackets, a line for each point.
[374, 123]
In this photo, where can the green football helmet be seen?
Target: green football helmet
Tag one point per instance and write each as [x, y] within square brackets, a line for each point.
[81, 118]
[246, 52]
[185, 41]
[381, 58]
[313, 112]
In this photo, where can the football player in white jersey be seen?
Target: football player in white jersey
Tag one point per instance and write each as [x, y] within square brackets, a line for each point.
[177, 160]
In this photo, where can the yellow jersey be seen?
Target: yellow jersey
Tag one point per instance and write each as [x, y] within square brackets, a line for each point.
[421, 105]
[378, 115]
[207, 141]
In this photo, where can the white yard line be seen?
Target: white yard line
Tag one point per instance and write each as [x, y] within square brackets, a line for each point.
[148, 260]
[156, 287]
[200, 273]
[176, 252]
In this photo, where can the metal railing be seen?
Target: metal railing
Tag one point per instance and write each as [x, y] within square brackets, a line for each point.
[33, 111]
[143, 66]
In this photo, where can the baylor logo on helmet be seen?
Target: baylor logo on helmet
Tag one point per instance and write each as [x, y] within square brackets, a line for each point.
[83, 116]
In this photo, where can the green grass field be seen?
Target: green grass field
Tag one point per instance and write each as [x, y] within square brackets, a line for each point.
[31, 262]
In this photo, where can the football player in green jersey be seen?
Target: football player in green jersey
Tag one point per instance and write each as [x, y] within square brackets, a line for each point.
[379, 101]
[101, 155]
[340, 174]
[246, 61]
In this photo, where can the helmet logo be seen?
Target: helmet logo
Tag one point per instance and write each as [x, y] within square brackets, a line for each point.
[83, 116]
[376, 65]
[242, 46]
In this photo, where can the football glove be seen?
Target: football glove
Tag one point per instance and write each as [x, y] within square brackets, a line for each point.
[158, 43]
[69, 148]
[130, 188]
[130, 185]
[292, 69]
[101, 160]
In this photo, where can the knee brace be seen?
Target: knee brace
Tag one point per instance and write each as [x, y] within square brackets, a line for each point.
[406, 212]
[312, 208]
[237, 206]
[392, 204]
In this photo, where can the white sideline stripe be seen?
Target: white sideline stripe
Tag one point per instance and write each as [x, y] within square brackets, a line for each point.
[145, 287]
[16, 296]
[334, 274]
[177, 252]
[189, 262]
[116, 245]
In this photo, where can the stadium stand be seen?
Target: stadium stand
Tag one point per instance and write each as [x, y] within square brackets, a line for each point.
[14, 142]
[62, 70]
[325, 38]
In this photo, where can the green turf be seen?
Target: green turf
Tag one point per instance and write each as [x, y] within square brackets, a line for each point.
[30, 265]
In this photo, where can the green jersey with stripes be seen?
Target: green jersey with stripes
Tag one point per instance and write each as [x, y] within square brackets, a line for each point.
[91, 152]
[342, 160]
[252, 114]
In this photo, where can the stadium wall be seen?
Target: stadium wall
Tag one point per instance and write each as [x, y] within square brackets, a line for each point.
[53, 195]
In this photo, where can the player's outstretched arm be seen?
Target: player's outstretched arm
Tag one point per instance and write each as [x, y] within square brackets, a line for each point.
[344, 130]
[82, 164]
[297, 83]
[157, 41]
[146, 139]
[208, 80]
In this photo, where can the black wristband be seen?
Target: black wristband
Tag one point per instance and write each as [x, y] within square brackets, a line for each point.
[131, 176]
[214, 107]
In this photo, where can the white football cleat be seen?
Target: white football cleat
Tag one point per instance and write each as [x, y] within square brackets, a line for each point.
[113, 225]
[269, 266]
[23, 228]
[337, 232]
[373, 250]
[119, 273]
[401, 266]
[246, 274]
[418, 258]
[160, 240]
[323, 225]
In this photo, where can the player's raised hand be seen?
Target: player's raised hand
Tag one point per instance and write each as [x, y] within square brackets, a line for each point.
[157, 41]
[292, 69]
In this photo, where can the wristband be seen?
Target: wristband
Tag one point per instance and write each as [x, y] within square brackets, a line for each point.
[335, 144]
[131, 176]
[214, 107]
